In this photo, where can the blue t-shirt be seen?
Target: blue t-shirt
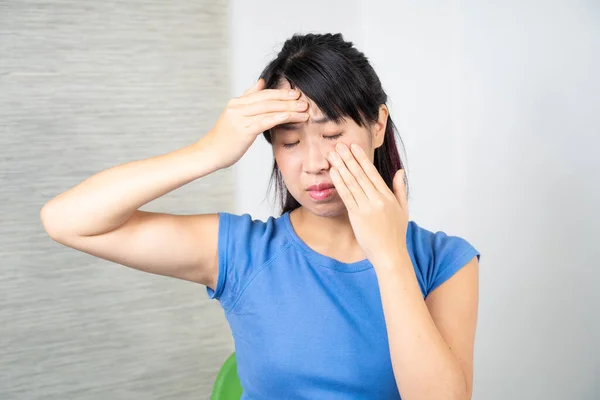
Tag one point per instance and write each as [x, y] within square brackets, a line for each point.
[307, 326]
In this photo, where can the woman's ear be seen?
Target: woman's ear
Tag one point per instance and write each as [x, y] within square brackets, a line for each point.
[379, 126]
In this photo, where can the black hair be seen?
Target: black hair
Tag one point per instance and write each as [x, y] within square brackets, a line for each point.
[342, 83]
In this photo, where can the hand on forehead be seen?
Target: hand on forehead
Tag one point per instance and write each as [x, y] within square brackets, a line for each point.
[313, 111]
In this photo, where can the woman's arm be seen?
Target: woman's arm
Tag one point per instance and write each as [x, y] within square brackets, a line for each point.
[431, 341]
[100, 216]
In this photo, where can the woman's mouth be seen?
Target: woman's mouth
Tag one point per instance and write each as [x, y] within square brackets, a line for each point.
[322, 191]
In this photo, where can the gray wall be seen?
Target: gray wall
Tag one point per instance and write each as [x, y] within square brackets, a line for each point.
[85, 85]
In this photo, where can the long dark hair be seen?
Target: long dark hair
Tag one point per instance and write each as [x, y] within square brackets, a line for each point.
[342, 83]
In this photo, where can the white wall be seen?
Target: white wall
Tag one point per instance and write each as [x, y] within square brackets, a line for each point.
[498, 106]
[499, 109]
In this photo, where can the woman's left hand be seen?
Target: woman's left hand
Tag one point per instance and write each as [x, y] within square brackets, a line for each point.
[379, 217]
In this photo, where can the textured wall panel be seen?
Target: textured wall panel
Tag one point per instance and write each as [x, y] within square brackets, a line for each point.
[85, 85]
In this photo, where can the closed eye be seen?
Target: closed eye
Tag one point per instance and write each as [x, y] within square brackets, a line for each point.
[290, 145]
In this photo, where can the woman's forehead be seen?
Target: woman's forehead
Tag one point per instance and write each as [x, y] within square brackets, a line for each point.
[316, 116]
[314, 112]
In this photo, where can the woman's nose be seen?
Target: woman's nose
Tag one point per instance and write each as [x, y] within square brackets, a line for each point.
[315, 159]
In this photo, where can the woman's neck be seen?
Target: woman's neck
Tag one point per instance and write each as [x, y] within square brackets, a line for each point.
[330, 236]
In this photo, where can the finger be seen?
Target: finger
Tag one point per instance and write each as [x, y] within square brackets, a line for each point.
[349, 180]
[369, 169]
[256, 87]
[399, 185]
[342, 189]
[270, 106]
[264, 122]
[356, 170]
[267, 94]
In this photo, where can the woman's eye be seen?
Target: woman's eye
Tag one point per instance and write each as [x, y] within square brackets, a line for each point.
[290, 145]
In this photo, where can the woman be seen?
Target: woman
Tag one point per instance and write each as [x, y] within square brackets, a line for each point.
[341, 297]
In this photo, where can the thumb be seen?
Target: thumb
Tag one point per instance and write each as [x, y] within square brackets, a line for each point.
[399, 187]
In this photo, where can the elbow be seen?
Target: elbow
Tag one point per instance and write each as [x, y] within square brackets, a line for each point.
[465, 392]
[49, 222]
[460, 390]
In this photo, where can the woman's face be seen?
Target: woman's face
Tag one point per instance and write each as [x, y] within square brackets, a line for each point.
[301, 152]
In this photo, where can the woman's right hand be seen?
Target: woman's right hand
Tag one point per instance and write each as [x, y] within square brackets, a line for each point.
[246, 117]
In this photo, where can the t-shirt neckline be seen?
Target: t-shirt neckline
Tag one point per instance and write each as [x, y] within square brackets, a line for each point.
[321, 259]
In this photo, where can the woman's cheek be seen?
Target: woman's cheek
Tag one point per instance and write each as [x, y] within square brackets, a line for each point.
[288, 161]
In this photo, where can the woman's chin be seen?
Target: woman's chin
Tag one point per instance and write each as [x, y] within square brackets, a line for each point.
[332, 208]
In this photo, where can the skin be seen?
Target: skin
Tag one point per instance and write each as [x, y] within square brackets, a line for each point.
[431, 340]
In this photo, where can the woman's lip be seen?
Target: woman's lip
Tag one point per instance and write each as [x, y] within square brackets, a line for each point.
[323, 194]
[320, 186]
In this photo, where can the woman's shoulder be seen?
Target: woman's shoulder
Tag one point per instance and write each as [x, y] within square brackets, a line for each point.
[245, 231]
[246, 223]
[438, 240]
[437, 254]
[245, 245]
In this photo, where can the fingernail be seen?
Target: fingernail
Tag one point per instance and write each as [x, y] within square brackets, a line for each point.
[333, 156]
[293, 93]
[356, 148]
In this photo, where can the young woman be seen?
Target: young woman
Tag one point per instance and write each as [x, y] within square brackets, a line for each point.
[341, 296]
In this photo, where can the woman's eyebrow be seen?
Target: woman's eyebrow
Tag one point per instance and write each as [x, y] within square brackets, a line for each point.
[296, 125]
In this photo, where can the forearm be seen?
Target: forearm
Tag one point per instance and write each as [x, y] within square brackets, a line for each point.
[106, 200]
[424, 366]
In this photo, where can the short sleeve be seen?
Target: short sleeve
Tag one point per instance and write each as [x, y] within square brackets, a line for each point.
[239, 251]
[451, 253]
[439, 256]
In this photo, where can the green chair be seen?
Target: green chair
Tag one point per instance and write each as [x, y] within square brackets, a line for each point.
[227, 385]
